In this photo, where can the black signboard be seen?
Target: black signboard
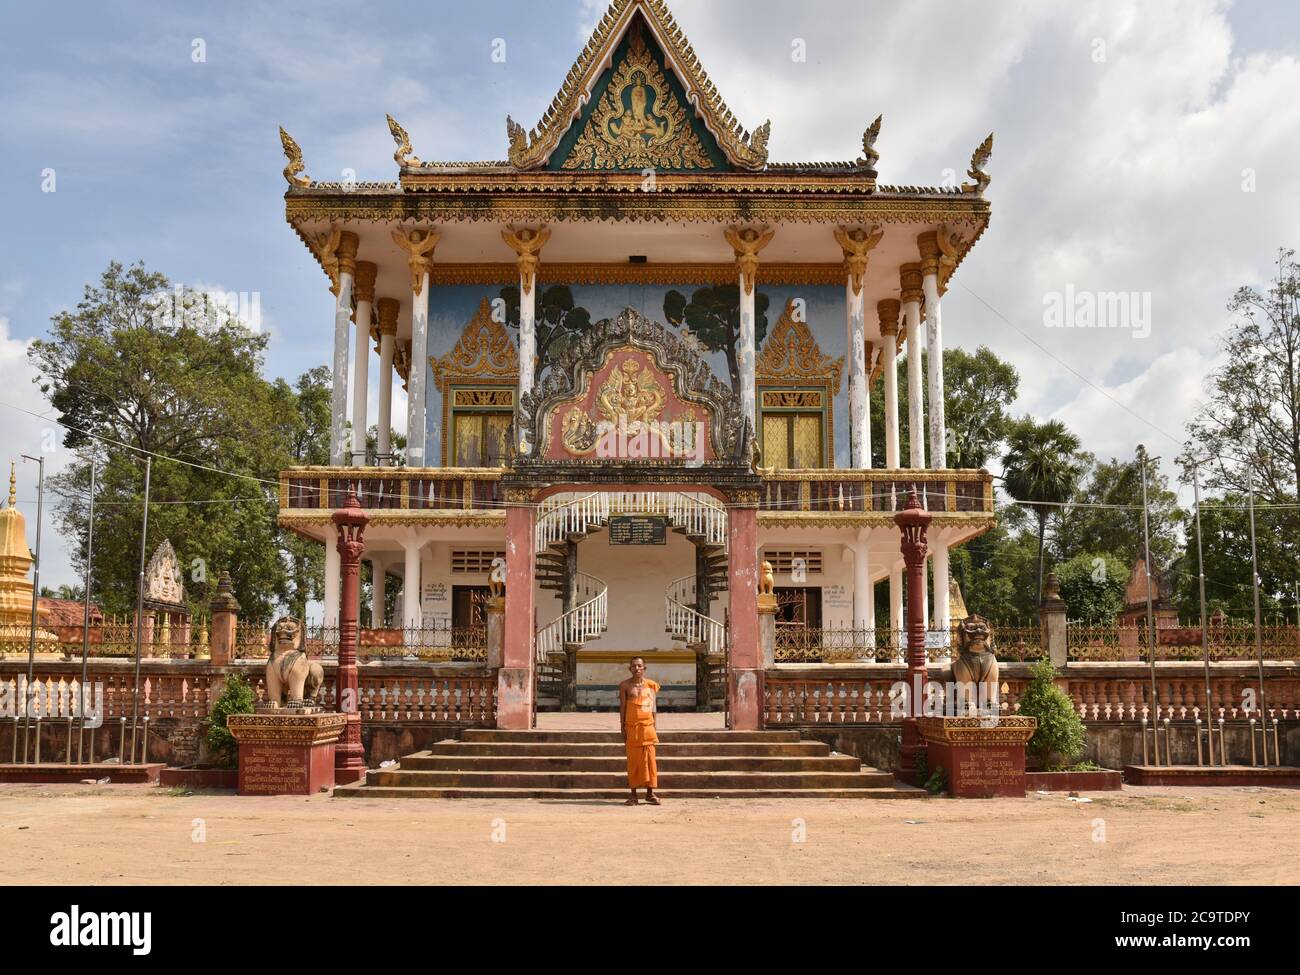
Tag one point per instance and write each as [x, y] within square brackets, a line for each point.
[637, 530]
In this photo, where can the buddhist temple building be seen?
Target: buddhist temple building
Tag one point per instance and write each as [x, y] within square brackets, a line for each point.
[639, 359]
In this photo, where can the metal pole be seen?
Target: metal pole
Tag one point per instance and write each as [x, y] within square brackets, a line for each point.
[85, 620]
[139, 606]
[36, 596]
[1200, 568]
[1151, 622]
[1254, 582]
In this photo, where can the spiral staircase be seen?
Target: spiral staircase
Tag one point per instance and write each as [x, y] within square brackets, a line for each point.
[565, 519]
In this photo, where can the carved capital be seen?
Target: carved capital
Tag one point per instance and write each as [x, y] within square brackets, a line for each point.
[746, 242]
[346, 255]
[909, 281]
[364, 281]
[888, 310]
[387, 309]
[419, 244]
[857, 243]
[927, 245]
[527, 244]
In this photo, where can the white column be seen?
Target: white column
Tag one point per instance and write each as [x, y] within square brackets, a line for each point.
[365, 295]
[411, 582]
[746, 242]
[888, 313]
[419, 245]
[940, 554]
[346, 255]
[527, 244]
[859, 414]
[929, 248]
[387, 309]
[377, 591]
[863, 605]
[333, 569]
[911, 295]
[896, 599]
[415, 378]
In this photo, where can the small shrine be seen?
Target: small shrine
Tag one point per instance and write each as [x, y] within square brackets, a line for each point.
[15, 587]
[167, 618]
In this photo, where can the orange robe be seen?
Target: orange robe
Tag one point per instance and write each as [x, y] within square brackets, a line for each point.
[639, 718]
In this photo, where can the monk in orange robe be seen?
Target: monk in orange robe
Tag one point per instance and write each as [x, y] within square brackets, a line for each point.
[636, 718]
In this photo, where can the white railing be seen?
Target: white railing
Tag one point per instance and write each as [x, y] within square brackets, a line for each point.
[562, 515]
[586, 621]
[688, 624]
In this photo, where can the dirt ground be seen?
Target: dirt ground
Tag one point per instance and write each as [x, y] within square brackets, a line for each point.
[129, 834]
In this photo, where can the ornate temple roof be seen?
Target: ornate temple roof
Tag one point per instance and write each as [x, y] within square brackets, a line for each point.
[637, 99]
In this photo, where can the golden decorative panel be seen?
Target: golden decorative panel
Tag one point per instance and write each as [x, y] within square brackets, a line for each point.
[792, 399]
[791, 354]
[484, 350]
[483, 398]
[639, 122]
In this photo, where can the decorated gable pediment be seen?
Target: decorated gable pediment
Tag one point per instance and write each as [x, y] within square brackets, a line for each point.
[629, 389]
[791, 355]
[483, 351]
[637, 99]
[163, 583]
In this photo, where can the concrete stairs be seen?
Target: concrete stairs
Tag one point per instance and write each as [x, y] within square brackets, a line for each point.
[487, 763]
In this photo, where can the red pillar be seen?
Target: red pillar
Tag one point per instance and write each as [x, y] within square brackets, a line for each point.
[913, 521]
[349, 755]
[515, 678]
[745, 666]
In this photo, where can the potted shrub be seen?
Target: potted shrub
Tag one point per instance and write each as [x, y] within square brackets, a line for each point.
[1060, 737]
[220, 773]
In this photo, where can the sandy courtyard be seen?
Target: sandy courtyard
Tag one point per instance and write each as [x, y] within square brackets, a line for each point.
[140, 835]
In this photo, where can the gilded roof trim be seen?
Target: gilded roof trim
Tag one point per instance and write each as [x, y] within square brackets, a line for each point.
[529, 150]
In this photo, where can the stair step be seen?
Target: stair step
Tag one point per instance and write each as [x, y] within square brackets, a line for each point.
[897, 791]
[618, 763]
[564, 749]
[498, 734]
[618, 779]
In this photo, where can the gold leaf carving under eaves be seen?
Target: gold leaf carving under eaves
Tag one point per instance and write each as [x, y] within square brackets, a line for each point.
[484, 350]
[791, 354]
[639, 122]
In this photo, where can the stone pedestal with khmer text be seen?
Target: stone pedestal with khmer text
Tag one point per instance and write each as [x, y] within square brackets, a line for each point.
[286, 752]
[981, 757]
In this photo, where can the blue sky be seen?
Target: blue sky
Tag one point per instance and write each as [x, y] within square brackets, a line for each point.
[1124, 173]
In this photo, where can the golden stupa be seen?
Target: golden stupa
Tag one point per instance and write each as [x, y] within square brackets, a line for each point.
[15, 588]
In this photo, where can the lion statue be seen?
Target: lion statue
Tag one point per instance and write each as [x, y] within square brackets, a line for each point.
[976, 668]
[497, 578]
[767, 581]
[292, 680]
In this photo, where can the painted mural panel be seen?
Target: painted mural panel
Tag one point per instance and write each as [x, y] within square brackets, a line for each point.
[705, 315]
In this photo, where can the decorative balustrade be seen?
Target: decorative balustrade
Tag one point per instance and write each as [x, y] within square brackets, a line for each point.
[563, 515]
[396, 488]
[587, 620]
[840, 490]
[796, 644]
[1230, 640]
[686, 623]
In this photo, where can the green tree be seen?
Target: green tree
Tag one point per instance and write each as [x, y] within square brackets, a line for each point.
[996, 569]
[1092, 586]
[559, 321]
[713, 315]
[1249, 425]
[978, 390]
[1107, 516]
[129, 374]
[1041, 466]
[1060, 731]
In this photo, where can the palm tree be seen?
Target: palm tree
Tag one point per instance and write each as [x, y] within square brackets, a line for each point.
[1041, 465]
